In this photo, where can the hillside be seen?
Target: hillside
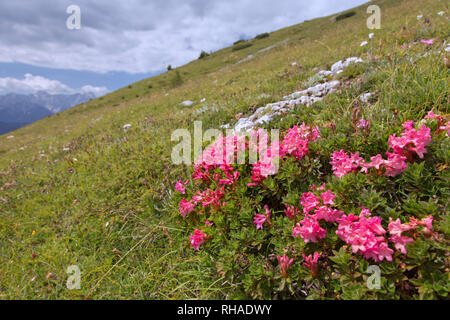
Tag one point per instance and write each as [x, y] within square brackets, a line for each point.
[79, 188]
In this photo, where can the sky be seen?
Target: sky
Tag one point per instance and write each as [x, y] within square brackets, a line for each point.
[121, 42]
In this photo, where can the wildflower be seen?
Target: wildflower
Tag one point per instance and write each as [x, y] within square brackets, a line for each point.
[284, 264]
[291, 211]
[179, 186]
[309, 229]
[364, 43]
[208, 223]
[420, 16]
[309, 201]
[327, 214]
[376, 162]
[197, 239]
[371, 35]
[328, 197]
[311, 260]
[429, 42]
[441, 13]
[363, 124]
[365, 235]
[186, 207]
[344, 164]
[260, 219]
[395, 164]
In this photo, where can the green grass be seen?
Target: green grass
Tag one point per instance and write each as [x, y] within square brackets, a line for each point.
[107, 211]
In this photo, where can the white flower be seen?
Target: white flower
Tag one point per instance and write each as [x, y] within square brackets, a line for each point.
[441, 13]
[447, 49]
[127, 126]
[371, 35]
[10, 137]
[294, 64]
[364, 43]
[420, 16]
[66, 149]
[203, 100]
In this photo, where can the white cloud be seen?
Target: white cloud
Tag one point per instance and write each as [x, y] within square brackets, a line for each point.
[32, 84]
[138, 36]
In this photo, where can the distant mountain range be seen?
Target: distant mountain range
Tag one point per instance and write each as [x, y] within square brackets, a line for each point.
[17, 110]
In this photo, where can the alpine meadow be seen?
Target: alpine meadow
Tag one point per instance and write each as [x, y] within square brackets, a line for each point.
[355, 208]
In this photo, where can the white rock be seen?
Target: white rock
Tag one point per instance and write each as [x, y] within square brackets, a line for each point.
[342, 64]
[364, 43]
[187, 103]
[365, 97]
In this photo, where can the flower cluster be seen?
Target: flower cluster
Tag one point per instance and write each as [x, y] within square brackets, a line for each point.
[309, 228]
[365, 235]
[396, 228]
[403, 148]
[197, 239]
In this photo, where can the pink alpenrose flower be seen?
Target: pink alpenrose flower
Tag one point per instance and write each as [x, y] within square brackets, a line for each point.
[311, 262]
[285, 263]
[179, 186]
[260, 219]
[197, 239]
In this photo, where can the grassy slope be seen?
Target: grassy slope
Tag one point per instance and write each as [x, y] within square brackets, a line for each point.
[106, 213]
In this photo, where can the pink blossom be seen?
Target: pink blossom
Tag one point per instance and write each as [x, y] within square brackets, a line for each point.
[376, 162]
[197, 239]
[186, 207]
[395, 164]
[309, 229]
[446, 128]
[328, 197]
[327, 214]
[291, 211]
[179, 186]
[260, 219]
[344, 164]
[311, 260]
[363, 123]
[309, 201]
[208, 223]
[432, 115]
[365, 236]
[284, 264]
[428, 224]
[430, 41]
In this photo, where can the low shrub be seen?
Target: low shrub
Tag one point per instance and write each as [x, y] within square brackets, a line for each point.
[203, 54]
[262, 36]
[345, 15]
[242, 46]
[327, 222]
